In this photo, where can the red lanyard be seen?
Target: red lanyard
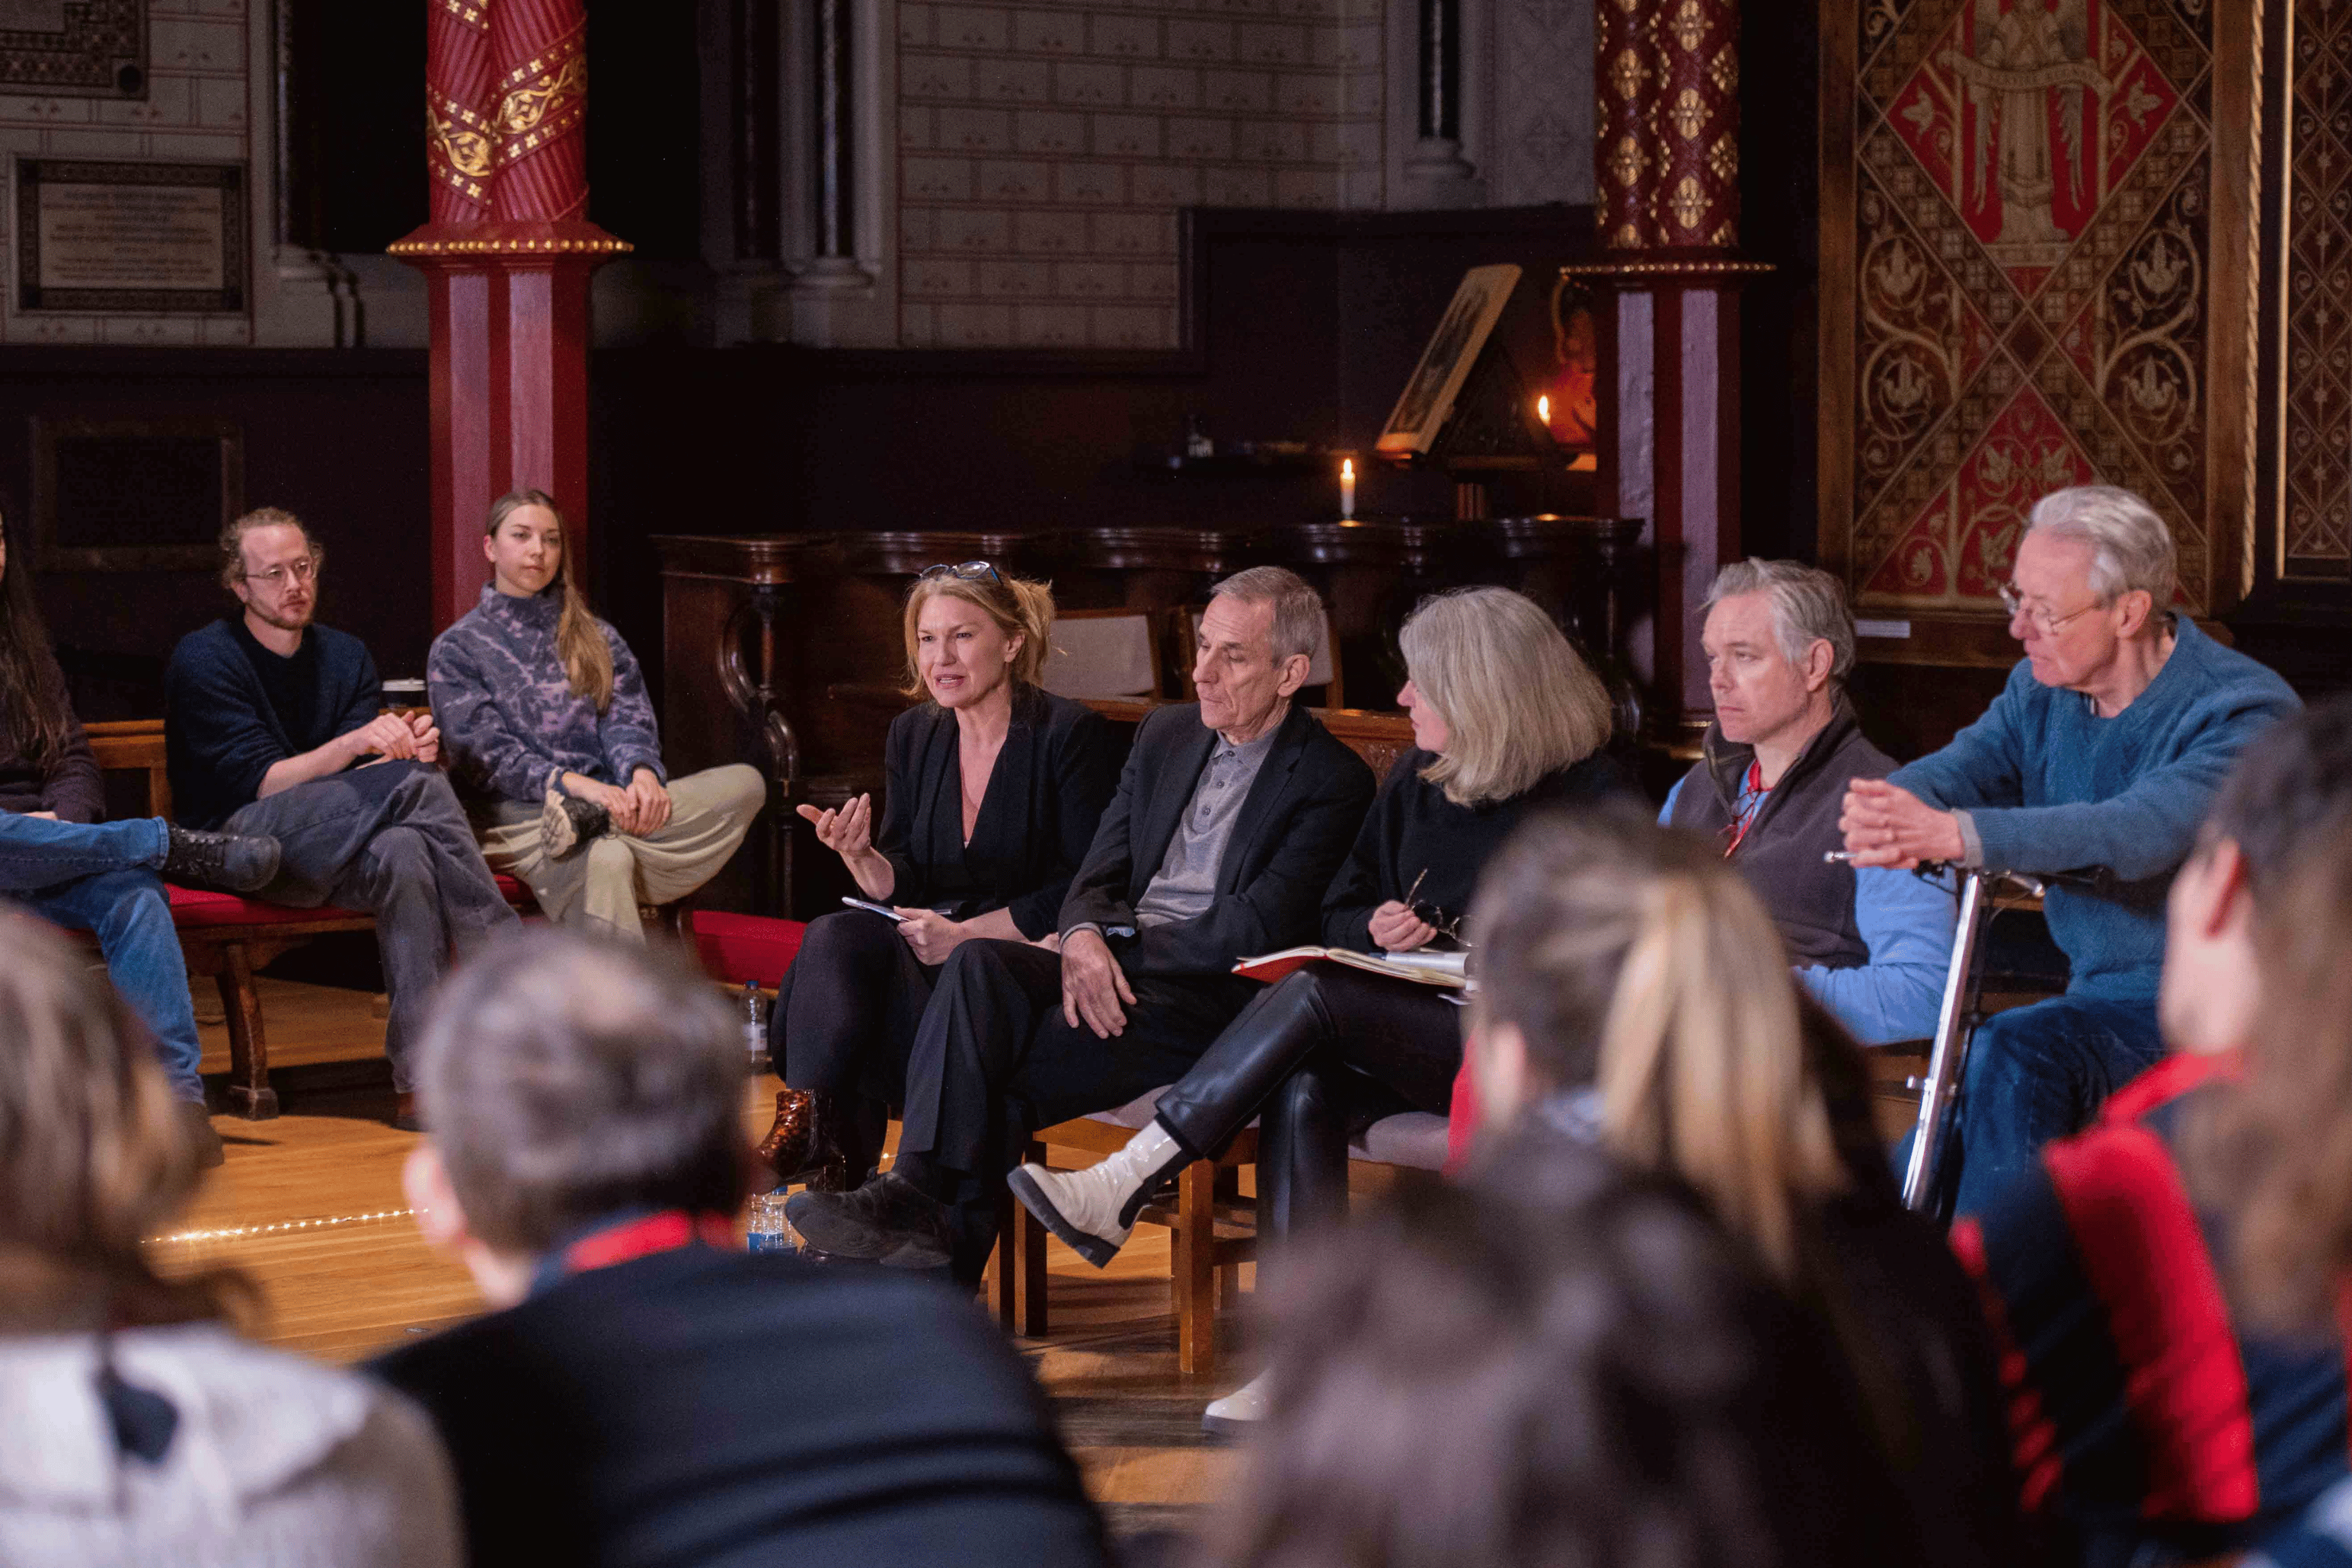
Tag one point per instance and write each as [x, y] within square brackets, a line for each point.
[1756, 794]
[666, 1232]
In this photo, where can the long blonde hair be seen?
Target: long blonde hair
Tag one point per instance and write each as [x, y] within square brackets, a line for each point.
[1634, 960]
[1016, 606]
[95, 1153]
[579, 639]
[1516, 700]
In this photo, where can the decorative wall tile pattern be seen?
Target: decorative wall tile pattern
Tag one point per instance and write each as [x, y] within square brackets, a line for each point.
[194, 111]
[1046, 146]
[2031, 241]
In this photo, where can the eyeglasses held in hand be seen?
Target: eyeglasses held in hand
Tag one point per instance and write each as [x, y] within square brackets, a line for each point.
[301, 570]
[969, 571]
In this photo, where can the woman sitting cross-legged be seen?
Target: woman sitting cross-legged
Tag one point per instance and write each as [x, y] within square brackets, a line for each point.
[992, 788]
[554, 746]
[1632, 991]
[1506, 718]
[135, 1425]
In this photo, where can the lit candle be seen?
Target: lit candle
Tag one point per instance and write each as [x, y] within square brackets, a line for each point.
[1543, 411]
[1346, 487]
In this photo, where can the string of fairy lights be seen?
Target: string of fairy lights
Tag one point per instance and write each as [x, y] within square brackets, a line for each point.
[281, 1228]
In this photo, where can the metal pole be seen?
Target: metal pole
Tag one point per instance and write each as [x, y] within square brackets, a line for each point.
[1939, 1091]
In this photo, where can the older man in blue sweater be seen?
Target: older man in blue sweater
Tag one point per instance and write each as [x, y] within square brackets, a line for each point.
[2100, 757]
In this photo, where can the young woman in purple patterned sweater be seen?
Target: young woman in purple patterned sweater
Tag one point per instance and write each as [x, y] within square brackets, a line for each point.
[553, 745]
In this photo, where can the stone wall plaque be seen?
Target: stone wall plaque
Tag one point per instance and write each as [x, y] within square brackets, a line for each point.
[77, 48]
[130, 237]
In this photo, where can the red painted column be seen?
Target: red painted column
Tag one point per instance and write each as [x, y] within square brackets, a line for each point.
[506, 257]
[1667, 162]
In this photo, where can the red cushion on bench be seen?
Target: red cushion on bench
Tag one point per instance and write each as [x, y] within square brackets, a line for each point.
[740, 947]
[512, 890]
[200, 906]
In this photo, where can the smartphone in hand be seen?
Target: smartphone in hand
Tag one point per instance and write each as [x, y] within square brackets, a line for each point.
[884, 910]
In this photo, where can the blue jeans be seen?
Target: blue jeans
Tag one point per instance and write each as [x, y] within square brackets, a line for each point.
[2037, 1074]
[101, 879]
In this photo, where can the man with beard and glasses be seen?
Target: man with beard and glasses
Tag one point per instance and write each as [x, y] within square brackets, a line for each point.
[273, 727]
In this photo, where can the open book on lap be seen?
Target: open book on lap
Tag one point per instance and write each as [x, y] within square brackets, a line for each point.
[1443, 969]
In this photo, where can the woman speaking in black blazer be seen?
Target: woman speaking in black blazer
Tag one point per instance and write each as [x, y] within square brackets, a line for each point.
[992, 788]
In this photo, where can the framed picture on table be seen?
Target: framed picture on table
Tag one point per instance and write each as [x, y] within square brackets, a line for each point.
[1427, 401]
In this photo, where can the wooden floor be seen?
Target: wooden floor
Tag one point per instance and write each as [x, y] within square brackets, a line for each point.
[310, 1206]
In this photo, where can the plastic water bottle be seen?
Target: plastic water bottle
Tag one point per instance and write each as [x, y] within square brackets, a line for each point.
[755, 1026]
[769, 1231]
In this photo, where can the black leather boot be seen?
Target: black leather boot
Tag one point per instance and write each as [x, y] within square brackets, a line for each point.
[232, 862]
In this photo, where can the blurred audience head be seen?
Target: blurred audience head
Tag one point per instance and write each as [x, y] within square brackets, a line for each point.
[1778, 642]
[2288, 787]
[96, 1156]
[1574, 1367]
[1253, 647]
[1498, 693]
[565, 1080]
[1612, 954]
[969, 629]
[2261, 927]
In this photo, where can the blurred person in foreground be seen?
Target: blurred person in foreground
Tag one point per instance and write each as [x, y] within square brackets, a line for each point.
[2154, 1422]
[136, 1426]
[2100, 757]
[2278, 1156]
[1633, 992]
[1572, 1366]
[642, 1391]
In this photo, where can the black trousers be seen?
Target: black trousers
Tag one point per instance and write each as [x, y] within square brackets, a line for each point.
[848, 1008]
[994, 1061]
[1318, 1055]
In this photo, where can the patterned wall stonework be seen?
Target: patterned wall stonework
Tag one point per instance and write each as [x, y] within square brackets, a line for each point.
[194, 111]
[2316, 510]
[1542, 119]
[2033, 255]
[1043, 150]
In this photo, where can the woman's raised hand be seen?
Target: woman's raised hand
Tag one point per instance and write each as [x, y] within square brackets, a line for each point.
[849, 831]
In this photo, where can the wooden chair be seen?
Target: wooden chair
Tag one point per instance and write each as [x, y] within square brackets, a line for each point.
[1212, 1233]
[1104, 654]
[1207, 1242]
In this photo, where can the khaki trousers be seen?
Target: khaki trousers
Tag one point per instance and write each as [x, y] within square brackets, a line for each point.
[602, 883]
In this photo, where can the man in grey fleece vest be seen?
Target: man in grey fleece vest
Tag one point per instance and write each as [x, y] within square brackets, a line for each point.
[2100, 757]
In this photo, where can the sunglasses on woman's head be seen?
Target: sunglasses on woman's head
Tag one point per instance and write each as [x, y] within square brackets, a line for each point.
[969, 571]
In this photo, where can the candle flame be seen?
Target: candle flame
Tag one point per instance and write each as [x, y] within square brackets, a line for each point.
[1543, 409]
[1347, 468]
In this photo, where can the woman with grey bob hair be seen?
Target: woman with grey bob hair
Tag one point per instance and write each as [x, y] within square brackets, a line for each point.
[1505, 720]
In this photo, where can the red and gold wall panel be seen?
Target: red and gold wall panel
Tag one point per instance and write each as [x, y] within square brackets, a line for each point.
[2036, 255]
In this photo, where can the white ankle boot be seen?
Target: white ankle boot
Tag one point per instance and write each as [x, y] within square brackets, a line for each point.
[1238, 1413]
[1094, 1209]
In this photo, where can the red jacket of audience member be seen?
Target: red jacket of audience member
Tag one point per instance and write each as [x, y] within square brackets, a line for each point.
[2140, 1413]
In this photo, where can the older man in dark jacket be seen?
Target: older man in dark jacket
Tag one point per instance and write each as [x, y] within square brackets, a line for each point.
[1231, 819]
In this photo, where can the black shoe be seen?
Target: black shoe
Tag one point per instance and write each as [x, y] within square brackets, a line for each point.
[566, 823]
[233, 863]
[209, 1149]
[890, 1221]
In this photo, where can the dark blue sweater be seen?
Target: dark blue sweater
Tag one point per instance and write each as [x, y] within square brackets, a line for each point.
[221, 732]
[2051, 787]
